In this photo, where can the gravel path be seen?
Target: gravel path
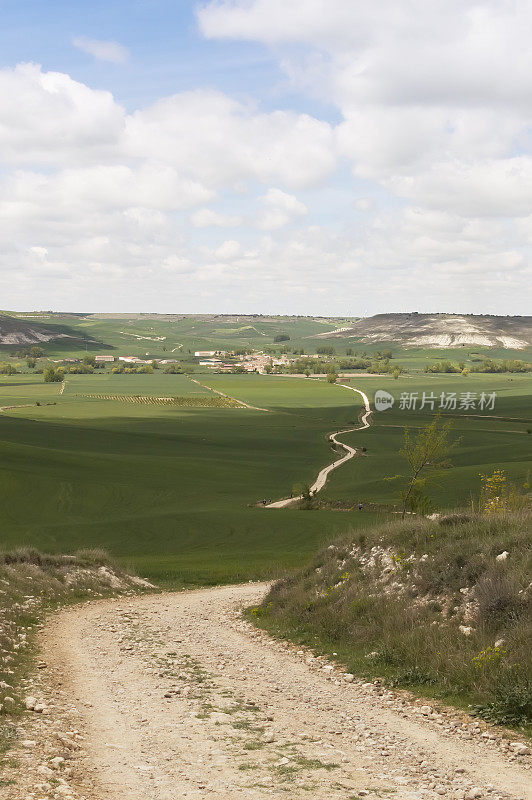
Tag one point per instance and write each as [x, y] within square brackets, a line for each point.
[175, 696]
[323, 474]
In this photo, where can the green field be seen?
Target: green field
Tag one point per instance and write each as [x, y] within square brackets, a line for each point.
[500, 439]
[171, 491]
[175, 489]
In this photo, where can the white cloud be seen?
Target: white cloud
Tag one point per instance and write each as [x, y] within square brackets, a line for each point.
[102, 50]
[433, 144]
[206, 218]
[434, 112]
[228, 250]
[441, 83]
[280, 209]
[223, 142]
[40, 252]
[496, 188]
[424, 52]
[48, 118]
[101, 189]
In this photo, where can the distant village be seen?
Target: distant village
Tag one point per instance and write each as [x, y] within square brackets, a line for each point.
[324, 362]
[216, 360]
[256, 361]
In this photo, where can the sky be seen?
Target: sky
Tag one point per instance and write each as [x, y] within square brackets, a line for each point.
[321, 157]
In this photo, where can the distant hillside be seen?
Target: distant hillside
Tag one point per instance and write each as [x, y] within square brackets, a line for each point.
[440, 330]
[15, 331]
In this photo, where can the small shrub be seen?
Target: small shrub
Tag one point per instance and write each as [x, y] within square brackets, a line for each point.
[498, 598]
[29, 555]
[386, 656]
[512, 704]
[95, 556]
[454, 519]
[413, 677]
[494, 492]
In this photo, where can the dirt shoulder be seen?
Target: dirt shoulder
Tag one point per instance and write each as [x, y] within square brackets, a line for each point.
[174, 695]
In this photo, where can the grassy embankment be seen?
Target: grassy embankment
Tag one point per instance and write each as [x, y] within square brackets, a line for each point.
[32, 584]
[431, 606]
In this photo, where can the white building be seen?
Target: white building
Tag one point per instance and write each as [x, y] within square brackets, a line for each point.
[212, 362]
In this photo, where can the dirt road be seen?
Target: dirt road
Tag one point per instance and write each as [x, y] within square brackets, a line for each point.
[175, 696]
[324, 473]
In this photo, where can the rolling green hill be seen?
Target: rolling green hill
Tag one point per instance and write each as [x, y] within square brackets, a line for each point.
[174, 489]
[171, 490]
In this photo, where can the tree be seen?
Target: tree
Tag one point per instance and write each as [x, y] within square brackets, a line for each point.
[281, 337]
[8, 369]
[81, 369]
[426, 451]
[306, 496]
[51, 375]
[332, 377]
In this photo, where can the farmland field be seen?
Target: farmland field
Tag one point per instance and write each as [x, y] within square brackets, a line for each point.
[170, 490]
[487, 440]
[153, 468]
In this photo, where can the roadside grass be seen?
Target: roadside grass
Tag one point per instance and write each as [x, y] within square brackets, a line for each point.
[423, 605]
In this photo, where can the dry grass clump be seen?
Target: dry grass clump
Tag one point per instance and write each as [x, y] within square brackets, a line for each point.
[438, 606]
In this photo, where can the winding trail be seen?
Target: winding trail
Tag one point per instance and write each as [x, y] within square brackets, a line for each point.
[351, 452]
[175, 696]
